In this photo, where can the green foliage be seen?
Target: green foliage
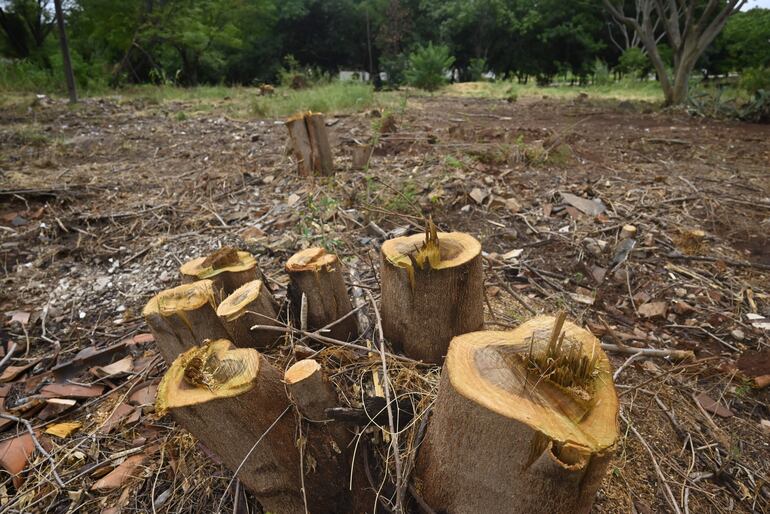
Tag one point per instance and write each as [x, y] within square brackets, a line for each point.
[634, 62]
[746, 38]
[25, 75]
[755, 79]
[395, 68]
[477, 68]
[428, 66]
[602, 75]
[328, 98]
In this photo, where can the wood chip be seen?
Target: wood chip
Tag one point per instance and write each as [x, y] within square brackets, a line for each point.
[63, 429]
[712, 406]
[15, 454]
[71, 391]
[584, 205]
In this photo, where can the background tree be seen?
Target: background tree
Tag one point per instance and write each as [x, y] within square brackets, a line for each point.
[690, 27]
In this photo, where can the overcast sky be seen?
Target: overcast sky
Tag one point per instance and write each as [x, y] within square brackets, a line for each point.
[757, 3]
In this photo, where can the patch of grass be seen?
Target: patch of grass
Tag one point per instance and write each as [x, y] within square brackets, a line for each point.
[27, 136]
[328, 98]
[622, 90]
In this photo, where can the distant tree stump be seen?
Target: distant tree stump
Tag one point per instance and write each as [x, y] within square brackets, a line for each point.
[524, 422]
[360, 156]
[227, 268]
[432, 290]
[249, 305]
[318, 275]
[310, 144]
[183, 317]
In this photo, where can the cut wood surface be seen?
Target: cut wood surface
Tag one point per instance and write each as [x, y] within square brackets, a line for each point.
[432, 290]
[227, 268]
[233, 398]
[524, 422]
[311, 392]
[310, 144]
[318, 275]
[249, 305]
[183, 317]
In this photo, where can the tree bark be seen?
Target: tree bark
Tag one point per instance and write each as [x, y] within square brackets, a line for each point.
[424, 305]
[228, 269]
[360, 157]
[310, 144]
[506, 436]
[318, 275]
[311, 392]
[183, 317]
[249, 305]
[234, 402]
[65, 52]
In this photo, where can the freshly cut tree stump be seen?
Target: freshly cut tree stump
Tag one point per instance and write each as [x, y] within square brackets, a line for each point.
[318, 275]
[310, 144]
[311, 392]
[230, 398]
[249, 305]
[227, 268]
[432, 290]
[183, 317]
[525, 422]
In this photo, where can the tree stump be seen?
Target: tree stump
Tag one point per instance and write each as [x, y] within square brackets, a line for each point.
[183, 317]
[227, 268]
[318, 275]
[310, 144]
[230, 398]
[360, 156]
[249, 305]
[311, 392]
[432, 290]
[525, 422]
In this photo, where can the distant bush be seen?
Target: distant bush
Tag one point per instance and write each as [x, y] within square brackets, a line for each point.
[477, 69]
[755, 79]
[24, 75]
[634, 62]
[395, 68]
[602, 75]
[428, 66]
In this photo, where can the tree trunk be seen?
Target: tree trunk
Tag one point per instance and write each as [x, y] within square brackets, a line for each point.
[310, 144]
[523, 423]
[318, 275]
[227, 268]
[183, 317]
[65, 52]
[249, 305]
[234, 402]
[431, 292]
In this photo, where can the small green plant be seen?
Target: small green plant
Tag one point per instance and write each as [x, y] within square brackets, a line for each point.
[634, 62]
[180, 116]
[755, 79]
[477, 68]
[453, 162]
[602, 75]
[428, 66]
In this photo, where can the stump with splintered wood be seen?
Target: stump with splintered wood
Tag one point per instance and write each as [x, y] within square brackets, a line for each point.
[310, 144]
[432, 290]
[550, 393]
[318, 276]
[183, 317]
[227, 268]
[231, 399]
[249, 305]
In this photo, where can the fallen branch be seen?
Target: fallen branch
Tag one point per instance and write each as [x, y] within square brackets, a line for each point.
[680, 355]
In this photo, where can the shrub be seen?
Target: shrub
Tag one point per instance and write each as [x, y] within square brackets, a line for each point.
[634, 62]
[601, 73]
[395, 68]
[477, 68]
[428, 66]
[755, 79]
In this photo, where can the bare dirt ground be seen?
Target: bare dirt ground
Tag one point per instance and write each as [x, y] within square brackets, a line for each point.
[101, 203]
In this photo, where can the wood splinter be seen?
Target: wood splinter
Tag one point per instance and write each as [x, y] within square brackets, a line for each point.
[432, 290]
[227, 268]
[318, 275]
[550, 392]
[249, 305]
[183, 317]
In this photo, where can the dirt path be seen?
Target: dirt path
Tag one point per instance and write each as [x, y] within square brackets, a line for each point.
[101, 203]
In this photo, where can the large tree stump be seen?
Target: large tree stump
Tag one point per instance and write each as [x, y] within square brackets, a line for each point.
[310, 144]
[230, 398]
[227, 268]
[183, 317]
[249, 305]
[318, 275]
[525, 422]
[432, 290]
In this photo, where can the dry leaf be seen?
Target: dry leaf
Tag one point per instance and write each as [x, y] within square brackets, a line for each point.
[63, 429]
[120, 475]
[122, 413]
[712, 406]
[54, 407]
[653, 310]
[19, 316]
[144, 395]
[15, 454]
[478, 195]
[12, 372]
[124, 365]
[71, 391]
[589, 207]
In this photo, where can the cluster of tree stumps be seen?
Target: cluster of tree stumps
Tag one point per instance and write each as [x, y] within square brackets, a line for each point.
[524, 421]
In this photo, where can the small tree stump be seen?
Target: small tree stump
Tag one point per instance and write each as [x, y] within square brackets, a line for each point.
[361, 155]
[538, 412]
[318, 275]
[227, 268]
[311, 392]
[432, 290]
[230, 398]
[249, 305]
[310, 144]
[183, 317]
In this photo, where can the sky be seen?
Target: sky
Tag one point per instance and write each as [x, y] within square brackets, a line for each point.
[756, 3]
